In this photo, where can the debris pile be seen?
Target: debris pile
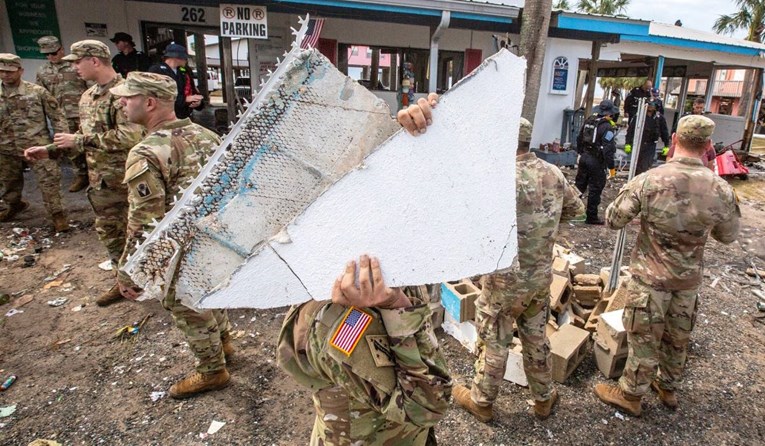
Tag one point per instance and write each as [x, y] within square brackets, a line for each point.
[582, 313]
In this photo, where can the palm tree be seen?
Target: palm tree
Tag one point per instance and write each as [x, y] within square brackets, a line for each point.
[563, 4]
[534, 28]
[750, 17]
[605, 7]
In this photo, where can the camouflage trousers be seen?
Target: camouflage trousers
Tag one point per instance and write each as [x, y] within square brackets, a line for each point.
[495, 312]
[12, 182]
[658, 325]
[111, 209]
[204, 332]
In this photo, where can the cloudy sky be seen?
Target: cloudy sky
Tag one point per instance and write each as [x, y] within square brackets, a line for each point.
[696, 14]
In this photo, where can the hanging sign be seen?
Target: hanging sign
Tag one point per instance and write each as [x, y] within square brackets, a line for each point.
[559, 75]
[245, 21]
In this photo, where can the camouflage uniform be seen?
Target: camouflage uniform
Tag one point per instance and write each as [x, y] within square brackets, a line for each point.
[680, 204]
[156, 169]
[391, 390]
[62, 81]
[24, 114]
[105, 136]
[543, 198]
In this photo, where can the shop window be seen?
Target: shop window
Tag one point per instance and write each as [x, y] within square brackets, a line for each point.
[383, 68]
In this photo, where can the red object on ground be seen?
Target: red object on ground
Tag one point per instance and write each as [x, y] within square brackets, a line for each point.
[729, 164]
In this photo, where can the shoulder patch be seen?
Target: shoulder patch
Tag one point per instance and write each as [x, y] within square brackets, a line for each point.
[135, 170]
[379, 345]
[143, 189]
[350, 331]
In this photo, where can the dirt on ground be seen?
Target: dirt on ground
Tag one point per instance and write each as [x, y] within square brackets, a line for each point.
[77, 384]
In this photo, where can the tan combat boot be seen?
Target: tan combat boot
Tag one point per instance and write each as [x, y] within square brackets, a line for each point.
[60, 223]
[196, 383]
[80, 183]
[109, 297]
[228, 347]
[462, 397]
[616, 397]
[543, 409]
[667, 397]
[11, 211]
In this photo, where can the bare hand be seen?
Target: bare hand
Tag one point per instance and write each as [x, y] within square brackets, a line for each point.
[371, 292]
[36, 153]
[194, 100]
[64, 140]
[417, 117]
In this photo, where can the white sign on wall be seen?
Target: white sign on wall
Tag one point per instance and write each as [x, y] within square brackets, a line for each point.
[245, 21]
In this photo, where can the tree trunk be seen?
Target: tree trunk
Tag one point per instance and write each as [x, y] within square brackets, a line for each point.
[534, 26]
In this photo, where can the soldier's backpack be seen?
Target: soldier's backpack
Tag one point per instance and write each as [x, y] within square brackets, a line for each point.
[590, 133]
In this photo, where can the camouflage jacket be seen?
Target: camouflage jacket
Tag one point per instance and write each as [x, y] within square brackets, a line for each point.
[23, 113]
[157, 168]
[105, 135]
[396, 378]
[680, 204]
[544, 198]
[62, 81]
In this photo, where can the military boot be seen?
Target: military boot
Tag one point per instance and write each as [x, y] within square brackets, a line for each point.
[109, 297]
[79, 183]
[667, 397]
[60, 223]
[543, 409]
[12, 210]
[228, 346]
[615, 396]
[196, 383]
[461, 395]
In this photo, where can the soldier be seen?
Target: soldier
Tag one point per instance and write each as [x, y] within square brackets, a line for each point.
[371, 359]
[25, 110]
[105, 136]
[128, 59]
[680, 204]
[544, 198]
[596, 144]
[60, 78]
[157, 168]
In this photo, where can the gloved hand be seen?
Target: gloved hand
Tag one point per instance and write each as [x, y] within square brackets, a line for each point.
[664, 151]
[611, 173]
[628, 148]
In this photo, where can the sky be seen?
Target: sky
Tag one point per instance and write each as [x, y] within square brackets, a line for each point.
[696, 14]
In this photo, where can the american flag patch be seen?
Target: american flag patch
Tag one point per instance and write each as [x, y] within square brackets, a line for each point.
[349, 332]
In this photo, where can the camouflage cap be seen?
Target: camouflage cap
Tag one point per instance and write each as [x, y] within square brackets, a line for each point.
[88, 48]
[49, 44]
[9, 62]
[695, 127]
[148, 84]
[525, 133]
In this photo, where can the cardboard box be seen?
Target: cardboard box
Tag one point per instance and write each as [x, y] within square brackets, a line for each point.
[459, 300]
